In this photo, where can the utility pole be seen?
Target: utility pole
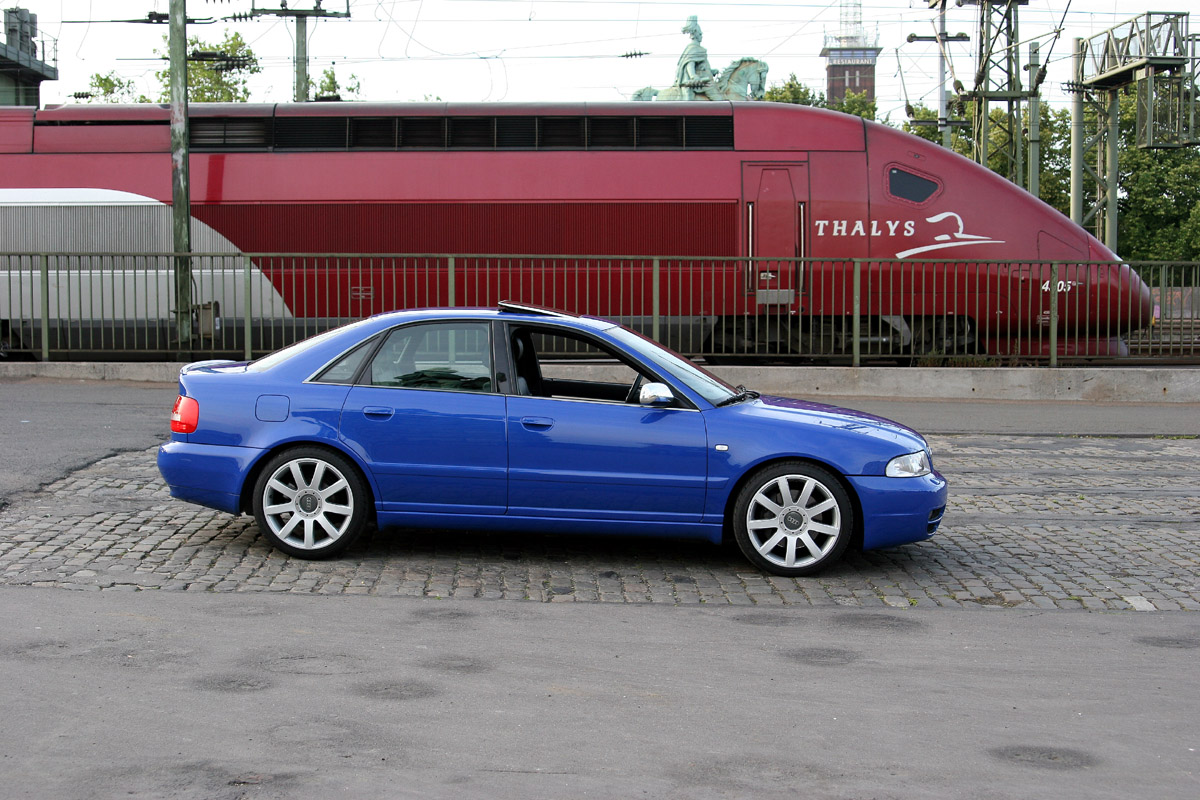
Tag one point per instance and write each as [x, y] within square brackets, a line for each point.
[944, 123]
[181, 212]
[301, 17]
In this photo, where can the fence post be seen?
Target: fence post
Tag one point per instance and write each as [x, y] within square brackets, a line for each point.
[654, 297]
[247, 299]
[450, 288]
[1054, 315]
[856, 317]
[45, 307]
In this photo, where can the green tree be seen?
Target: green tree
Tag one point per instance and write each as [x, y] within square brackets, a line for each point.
[112, 88]
[222, 81]
[855, 103]
[329, 86]
[1158, 204]
[212, 81]
[795, 92]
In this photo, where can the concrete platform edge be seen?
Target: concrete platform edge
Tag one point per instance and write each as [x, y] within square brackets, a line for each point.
[1083, 384]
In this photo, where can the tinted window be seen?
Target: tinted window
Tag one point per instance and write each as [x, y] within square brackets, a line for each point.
[343, 370]
[911, 187]
[447, 356]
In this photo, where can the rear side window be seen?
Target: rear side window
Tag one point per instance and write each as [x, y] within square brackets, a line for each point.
[344, 369]
[452, 357]
[910, 186]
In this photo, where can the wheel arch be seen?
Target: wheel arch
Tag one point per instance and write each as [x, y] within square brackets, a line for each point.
[246, 497]
[856, 539]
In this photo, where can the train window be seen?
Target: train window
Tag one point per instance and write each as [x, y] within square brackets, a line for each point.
[910, 186]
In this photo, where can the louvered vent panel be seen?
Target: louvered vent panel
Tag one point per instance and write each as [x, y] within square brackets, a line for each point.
[660, 132]
[611, 133]
[423, 132]
[708, 133]
[372, 133]
[516, 132]
[229, 134]
[566, 133]
[310, 133]
[473, 133]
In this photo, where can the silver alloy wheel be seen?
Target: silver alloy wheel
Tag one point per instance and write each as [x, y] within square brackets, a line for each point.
[308, 503]
[793, 521]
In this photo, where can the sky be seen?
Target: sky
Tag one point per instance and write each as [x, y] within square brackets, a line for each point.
[555, 50]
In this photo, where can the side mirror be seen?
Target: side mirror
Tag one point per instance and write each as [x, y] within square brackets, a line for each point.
[656, 394]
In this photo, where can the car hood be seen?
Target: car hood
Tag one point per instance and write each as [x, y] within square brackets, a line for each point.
[846, 419]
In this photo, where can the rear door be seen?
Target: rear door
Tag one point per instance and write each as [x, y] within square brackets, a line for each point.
[428, 420]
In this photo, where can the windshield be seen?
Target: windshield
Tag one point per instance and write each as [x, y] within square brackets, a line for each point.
[698, 379]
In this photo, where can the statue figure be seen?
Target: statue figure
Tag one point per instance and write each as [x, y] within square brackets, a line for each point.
[744, 79]
[693, 74]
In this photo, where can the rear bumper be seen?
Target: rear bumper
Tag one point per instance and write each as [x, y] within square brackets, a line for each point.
[900, 510]
[206, 474]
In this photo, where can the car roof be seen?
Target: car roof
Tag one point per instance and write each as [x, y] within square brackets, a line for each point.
[507, 311]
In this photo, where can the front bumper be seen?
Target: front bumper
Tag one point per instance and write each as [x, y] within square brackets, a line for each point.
[206, 474]
[900, 510]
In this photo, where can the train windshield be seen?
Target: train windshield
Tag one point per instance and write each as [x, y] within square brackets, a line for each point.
[698, 379]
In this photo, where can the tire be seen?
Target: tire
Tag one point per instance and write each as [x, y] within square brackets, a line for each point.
[310, 502]
[799, 534]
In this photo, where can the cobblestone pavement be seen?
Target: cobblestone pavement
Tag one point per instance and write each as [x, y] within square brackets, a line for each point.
[1033, 522]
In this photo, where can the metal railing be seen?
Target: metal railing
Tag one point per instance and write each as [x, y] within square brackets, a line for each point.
[58, 306]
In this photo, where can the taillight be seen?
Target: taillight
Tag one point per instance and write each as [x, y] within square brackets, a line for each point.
[185, 415]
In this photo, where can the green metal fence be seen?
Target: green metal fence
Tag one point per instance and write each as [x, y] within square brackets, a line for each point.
[122, 306]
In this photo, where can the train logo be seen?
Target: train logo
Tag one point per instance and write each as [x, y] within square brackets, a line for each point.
[947, 240]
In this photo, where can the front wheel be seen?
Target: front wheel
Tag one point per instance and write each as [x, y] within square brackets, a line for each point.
[310, 502]
[793, 519]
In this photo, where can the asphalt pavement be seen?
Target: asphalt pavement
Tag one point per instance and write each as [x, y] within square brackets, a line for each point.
[232, 696]
[155, 649]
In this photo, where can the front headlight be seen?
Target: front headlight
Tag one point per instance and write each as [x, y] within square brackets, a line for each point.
[913, 465]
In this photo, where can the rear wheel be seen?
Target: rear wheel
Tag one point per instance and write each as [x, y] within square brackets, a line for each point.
[793, 518]
[310, 502]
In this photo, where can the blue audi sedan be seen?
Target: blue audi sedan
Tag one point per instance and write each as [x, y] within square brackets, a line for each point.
[483, 419]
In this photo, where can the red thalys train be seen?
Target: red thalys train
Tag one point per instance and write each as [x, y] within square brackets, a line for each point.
[778, 198]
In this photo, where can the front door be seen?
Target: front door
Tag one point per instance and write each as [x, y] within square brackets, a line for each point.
[585, 449]
[775, 198]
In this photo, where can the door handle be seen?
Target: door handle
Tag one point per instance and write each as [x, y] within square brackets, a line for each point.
[537, 423]
[378, 412]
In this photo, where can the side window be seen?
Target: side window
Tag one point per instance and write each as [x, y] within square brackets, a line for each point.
[910, 186]
[547, 364]
[453, 357]
[343, 370]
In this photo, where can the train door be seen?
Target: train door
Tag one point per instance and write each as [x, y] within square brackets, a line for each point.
[775, 199]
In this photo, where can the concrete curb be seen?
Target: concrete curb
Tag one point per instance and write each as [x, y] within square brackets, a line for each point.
[1120, 385]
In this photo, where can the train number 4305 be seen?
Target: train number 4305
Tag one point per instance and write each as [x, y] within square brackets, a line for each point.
[1063, 286]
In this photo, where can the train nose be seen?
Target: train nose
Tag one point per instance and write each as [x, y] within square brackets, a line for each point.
[1129, 304]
